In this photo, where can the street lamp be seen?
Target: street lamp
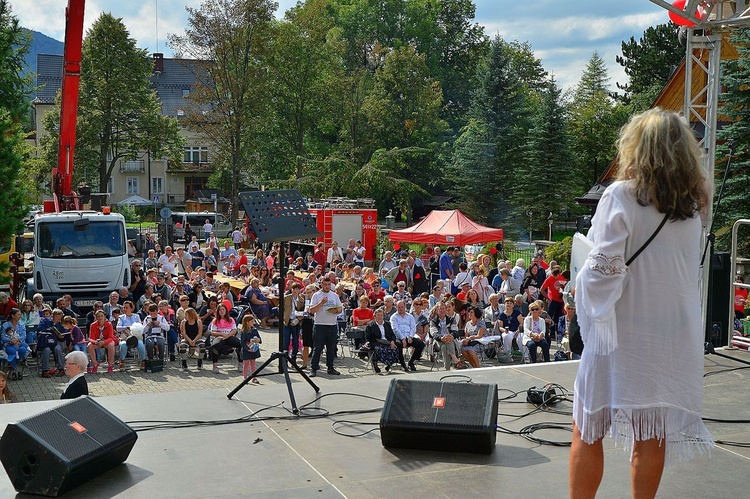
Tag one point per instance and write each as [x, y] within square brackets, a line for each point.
[549, 222]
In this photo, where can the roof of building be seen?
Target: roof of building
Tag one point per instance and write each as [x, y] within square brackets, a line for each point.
[172, 84]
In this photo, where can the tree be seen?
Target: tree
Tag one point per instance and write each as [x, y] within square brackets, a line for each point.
[594, 124]
[545, 184]
[403, 108]
[234, 39]
[13, 108]
[304, 65]
[736, 107]
[500, 121]
[649, 62]
[119, 115]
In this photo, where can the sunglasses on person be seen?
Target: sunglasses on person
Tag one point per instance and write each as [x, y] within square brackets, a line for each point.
[535, 309]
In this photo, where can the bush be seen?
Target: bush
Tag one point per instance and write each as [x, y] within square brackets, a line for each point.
[129, 212]
[560, 252]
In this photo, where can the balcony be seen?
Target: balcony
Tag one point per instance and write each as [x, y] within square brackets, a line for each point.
[134, 166]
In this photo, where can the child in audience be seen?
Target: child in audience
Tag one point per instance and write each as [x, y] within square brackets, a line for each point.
[6, 394]
[250, 339]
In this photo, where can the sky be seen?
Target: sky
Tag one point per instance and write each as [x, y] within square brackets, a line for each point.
[563, 34]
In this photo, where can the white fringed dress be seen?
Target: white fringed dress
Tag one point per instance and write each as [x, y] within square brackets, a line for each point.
[640, 375]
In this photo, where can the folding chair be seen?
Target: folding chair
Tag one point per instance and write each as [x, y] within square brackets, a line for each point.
[358, 334]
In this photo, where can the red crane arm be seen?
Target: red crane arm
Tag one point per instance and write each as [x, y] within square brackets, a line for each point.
[62, 176]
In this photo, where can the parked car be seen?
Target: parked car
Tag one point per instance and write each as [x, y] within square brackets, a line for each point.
[222, 225]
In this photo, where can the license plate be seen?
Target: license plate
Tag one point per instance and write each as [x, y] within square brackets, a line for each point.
[85, 303]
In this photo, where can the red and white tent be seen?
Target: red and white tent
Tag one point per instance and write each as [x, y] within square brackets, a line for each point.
[449, 227]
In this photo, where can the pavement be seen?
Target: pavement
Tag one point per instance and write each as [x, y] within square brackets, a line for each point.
[133, 381]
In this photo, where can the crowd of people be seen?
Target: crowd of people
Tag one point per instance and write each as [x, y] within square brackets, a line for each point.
[176, 306]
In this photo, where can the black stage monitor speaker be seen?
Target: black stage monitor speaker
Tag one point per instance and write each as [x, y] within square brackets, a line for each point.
[435, 415]
[720, 295]
[59, 449]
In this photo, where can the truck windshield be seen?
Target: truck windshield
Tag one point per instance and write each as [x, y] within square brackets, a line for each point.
[98, 239]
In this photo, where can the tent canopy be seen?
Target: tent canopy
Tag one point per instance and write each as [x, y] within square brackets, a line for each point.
[446, 227]
[135, 201]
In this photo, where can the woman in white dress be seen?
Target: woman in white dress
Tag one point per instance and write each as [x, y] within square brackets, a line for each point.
[641, 378]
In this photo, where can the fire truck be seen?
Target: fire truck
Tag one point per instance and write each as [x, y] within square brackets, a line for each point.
[341, 219]
[78, 252]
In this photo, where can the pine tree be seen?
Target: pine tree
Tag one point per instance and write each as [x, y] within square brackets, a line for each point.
[544, 186]
[13, 109]
[500, 120]
[593, 124]
[736, 107]
[649, 61]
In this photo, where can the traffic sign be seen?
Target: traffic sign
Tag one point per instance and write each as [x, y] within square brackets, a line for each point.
[165, 212]
[156, 199]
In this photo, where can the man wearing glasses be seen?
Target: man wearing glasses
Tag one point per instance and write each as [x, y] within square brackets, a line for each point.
[326, 306]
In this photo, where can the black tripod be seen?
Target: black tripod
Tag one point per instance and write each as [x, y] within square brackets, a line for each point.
[279, 216]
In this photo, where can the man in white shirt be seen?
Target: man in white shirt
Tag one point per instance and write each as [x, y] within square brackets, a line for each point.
[207, 228]
[237, 238]
[227, 252]
[405, 326]
[326, 306]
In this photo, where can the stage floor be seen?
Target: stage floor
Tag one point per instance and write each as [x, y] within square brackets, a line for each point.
[303, 457]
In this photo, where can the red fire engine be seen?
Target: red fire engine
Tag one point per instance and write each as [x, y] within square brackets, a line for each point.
[341, 219]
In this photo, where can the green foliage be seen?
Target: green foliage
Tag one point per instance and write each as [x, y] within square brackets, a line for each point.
[491, 149]
[649, 61]
[13, 108]
[736, 106]
[594, 123]
[119, 115]
[403, 109]
[131, 213]
[544, 186]
[560, 252]
[231, 99]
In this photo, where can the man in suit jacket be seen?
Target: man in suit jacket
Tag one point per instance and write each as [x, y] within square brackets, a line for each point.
[75, 367]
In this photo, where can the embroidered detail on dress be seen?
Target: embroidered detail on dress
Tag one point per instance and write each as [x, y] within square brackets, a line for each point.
[607, 265]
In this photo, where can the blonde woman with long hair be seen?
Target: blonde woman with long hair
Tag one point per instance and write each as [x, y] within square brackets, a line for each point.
[640, 376]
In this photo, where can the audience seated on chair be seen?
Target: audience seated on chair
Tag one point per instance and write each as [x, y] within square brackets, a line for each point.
[380, 336]
[444, 331]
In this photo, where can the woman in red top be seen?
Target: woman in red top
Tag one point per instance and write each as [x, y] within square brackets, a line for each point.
[243, 258]
[101, 335]
[740, 298]
[362, 315]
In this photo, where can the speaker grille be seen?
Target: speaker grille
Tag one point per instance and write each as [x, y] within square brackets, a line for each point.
[54, 427]
[463, 405]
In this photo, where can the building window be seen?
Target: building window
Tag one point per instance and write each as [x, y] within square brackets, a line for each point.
[110, 185]
[133, 187]
[185, 92]
[157, 185]
[196, 155]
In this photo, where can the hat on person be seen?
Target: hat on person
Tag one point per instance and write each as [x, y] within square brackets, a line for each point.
[465, 284]
[160, 275]
[152, 269]
[423, 321]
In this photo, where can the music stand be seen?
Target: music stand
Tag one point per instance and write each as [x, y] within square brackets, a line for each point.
[279, 216]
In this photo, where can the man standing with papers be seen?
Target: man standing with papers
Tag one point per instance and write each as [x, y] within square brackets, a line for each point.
[326, 306]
